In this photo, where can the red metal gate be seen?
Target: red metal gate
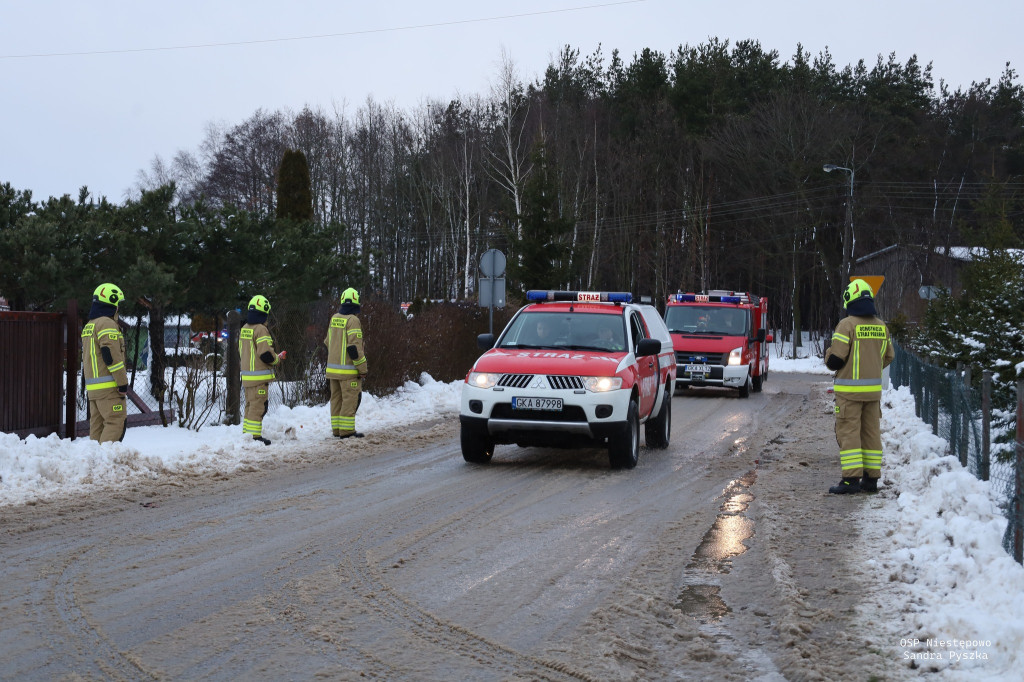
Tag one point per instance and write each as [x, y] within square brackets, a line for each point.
[34, 354]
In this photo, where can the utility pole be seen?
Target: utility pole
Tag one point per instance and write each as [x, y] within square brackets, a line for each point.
[844, 275]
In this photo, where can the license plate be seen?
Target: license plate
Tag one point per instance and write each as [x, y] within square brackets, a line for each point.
[554, 404]
[703, 369]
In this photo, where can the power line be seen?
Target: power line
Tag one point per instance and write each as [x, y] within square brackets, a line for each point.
[321, 36]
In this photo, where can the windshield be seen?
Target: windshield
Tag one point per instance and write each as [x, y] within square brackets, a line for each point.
[693, 319]
[562, 330]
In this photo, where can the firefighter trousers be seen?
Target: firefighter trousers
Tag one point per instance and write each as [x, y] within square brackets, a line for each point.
[344, 403]
[107, 415]
[255, 409]
[859, 434]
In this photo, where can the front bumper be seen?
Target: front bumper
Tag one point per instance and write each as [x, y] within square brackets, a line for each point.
[585, 418]
[727, 376]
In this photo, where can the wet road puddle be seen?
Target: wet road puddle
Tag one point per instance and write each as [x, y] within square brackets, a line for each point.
[713, 556]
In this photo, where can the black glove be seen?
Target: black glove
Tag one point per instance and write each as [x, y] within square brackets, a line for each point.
[834, 362]
[123, 390]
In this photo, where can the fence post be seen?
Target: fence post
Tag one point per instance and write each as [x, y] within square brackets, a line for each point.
[965, 419]
[933, 402]
[986, 423]
[1018, 499]
[954, 381]
[72, 336]
[232, 370]
[915, 387]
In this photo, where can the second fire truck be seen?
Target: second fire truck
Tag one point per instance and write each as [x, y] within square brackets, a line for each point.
[720, 338]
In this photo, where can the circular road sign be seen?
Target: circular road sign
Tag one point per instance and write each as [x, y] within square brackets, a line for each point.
[492, 263]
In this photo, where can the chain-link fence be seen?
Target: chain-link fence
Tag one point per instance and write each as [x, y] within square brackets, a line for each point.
[961, 414]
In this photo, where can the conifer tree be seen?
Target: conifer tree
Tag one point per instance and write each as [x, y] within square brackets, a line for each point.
[294, 196]
[542, 253]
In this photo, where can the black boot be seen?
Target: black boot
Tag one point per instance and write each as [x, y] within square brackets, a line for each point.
[261, 439]
[868, 484]
[349, 434]
[846, 486]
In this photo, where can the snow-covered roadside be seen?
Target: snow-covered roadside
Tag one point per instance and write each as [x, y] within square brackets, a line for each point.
[951, 596]
[37, 469]
[935, 539]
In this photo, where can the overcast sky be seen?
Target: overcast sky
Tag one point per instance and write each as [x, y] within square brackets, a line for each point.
[90, 92]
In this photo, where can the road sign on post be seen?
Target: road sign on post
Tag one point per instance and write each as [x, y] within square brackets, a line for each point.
[491, 286]
[874, 281]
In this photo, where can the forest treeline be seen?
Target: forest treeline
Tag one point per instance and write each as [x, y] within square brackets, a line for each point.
[701, 168]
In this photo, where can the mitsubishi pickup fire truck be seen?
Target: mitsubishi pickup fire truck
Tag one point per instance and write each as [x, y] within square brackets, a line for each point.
[720, 339]
[572, 369]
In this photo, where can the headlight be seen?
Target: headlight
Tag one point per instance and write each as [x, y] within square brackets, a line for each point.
[482, 379]
[736, 356]
[602, 384]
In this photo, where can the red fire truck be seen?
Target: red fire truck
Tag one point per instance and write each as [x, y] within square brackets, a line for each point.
[720, 338]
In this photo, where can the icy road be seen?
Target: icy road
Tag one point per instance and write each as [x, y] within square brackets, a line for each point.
[391, 558]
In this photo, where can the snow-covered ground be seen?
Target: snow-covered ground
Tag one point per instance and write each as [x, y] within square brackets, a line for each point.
[936, 545]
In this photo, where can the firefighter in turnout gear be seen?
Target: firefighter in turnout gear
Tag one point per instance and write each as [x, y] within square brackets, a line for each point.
[106, 380]
[256, 348]
[346, 365]
[860, 350]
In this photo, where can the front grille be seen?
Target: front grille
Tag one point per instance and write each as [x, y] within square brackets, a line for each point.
[515, 380]
[689, 357]
[571, 413]
[557, 381]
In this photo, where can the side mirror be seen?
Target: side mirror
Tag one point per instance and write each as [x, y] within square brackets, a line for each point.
[762, 335]
[485, 341]
[648, 347]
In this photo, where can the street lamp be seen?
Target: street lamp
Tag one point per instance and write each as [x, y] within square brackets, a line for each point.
[848, 232]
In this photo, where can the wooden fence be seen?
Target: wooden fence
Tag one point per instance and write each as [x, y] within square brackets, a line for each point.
[34, 354]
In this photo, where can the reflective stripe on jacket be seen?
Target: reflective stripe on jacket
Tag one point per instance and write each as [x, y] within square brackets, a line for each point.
[344, 331]
[100, 333]
[253, 341]
[863, 342]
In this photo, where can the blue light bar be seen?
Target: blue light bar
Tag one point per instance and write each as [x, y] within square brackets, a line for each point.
[703, 298]
[580, 296]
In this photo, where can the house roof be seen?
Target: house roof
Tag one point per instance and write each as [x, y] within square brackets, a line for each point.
[960, 253]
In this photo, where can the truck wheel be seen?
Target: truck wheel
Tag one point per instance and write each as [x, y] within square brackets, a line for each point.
[624, 447]
[658, 430]
[757, 384]
[745, 388]
[476, 448]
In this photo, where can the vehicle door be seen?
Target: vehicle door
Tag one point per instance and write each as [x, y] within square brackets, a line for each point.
[647, 368]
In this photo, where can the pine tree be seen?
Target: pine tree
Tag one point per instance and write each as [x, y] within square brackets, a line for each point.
[982, 327]
[542, 254]
[294, 196]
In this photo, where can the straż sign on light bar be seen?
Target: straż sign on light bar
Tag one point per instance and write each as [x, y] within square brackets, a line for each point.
[580, 296]
[704, 298]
